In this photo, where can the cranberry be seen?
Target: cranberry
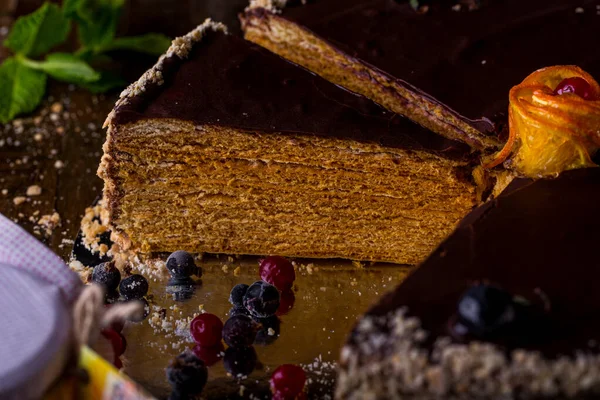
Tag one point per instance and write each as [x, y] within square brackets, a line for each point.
[576, 85]
[286, 302]
[278, 271]
[119, 344]
[206, 329]
[209, 354]
[287, 382]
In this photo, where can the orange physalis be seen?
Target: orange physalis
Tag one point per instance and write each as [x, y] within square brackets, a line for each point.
[554, 122]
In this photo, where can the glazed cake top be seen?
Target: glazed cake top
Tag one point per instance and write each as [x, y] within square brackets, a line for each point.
[537, 235]
[210, 77]
[467, 60]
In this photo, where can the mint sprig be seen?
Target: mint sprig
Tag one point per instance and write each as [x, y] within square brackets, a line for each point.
[37, 33]
[23, 76]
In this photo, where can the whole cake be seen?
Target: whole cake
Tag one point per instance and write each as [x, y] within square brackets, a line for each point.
[506, 307]
[224, 147]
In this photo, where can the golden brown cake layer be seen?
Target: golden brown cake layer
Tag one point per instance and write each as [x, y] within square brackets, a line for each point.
[172, 184]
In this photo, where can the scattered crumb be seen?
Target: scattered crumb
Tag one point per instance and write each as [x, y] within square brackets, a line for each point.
[271, 332]
[38, 137]
[4, 192]
[456, 7]
[56, 107]
[84, 272]
[358, 264]
[579, 10]
[59, 164]
[19, 200]
[49, 222]
[225, 269]
[34, 190]
[237, 271]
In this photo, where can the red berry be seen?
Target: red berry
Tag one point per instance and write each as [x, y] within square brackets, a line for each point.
[286, 302]
[210, 355]
[278, 271]
[576, 85]
[287, 382]
[206, 329]
[119, 344]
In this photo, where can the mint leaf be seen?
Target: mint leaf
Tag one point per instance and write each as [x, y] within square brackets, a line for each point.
[65, 67]
[153, 43]
[96, 19]
[71, 8]
[21, 89]
[107, 81]
[38, 32]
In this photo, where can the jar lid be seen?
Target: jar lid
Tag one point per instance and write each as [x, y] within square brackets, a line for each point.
[35, 331]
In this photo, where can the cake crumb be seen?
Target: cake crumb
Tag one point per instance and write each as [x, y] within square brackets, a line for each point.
[49, 222]
[4, 192]
[237, 271]
[19, 200]
[59, 164]
[579, 10]
[56, 107]
[34, 190]
[85, 273]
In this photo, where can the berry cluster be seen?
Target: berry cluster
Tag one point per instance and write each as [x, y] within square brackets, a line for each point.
[253, 319]
[134, 287]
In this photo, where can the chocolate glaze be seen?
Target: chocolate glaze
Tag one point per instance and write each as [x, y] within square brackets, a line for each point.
[228, 81]
[541, 234]
[467, 60]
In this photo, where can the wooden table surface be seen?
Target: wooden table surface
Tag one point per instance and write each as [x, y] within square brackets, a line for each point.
[31, 146]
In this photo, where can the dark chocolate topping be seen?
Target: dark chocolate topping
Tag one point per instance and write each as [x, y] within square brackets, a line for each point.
[228, 81]
[541, 234]
[467, 60]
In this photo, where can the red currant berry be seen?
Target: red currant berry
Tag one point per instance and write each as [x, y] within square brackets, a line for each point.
[287, 382]
[119, 344]
[575, 85]
[206, 329]
[210, 355]
[278, 271]
[286, 302]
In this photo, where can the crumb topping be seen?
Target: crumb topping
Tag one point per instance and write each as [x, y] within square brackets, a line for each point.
[388, 360]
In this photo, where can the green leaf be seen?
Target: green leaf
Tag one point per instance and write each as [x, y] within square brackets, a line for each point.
[38, 32]
[96, 19]
[107, 81]
[153, 43]
[21, 89]
[66, 67]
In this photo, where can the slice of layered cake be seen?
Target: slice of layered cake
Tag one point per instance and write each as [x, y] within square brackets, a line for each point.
[463, 58]
[224, 147]
[505, 308]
